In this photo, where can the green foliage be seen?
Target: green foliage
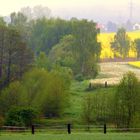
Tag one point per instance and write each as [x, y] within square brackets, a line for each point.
[87, 50]
[20, 23]
[79, 50]
[18, 19]
[40, 89]
[79, 77]
[1, 121]
[34, 87]
[101, 99]
[57, 96]
[87, 109]
[19, 116]
[15, 57]
[2, 22]
[121, 43]
[42, 61]
[97, 106]
[10, 97]
[65, 73]
[63, 49]
[137, 44]
[46, 33]
[127, 100]
[62, 52]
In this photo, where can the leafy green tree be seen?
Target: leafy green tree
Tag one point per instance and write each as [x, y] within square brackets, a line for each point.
[42, 61]
[2, 22]
[62, 53]
[15, 56]
[12, 44]
[121, 43]
[10, 97]
[18, 19]
[87, 110]
[34, 87]
[57, 97]
[23, 60]
[46, 91]
[127, 99]
[2, 47]
[87, 50]
[79, 51]
[19, 22]
[137, 44]
[46, 33]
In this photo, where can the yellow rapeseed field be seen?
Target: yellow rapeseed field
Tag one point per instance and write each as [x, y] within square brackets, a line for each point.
[135, 64]
[106, 38]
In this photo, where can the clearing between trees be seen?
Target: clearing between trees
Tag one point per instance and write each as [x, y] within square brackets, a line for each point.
[112, 72]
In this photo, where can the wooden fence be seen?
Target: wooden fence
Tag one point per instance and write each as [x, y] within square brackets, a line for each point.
[68, 128]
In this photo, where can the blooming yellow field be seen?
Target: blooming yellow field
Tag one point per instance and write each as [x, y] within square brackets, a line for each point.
[106, 38]
[135, 64]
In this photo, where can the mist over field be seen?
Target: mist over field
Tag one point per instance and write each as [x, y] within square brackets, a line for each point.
[99, 11]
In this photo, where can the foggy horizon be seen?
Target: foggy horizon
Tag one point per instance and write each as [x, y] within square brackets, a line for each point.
[96, 10]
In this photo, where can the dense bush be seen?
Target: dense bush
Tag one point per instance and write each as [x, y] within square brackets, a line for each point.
[79, 77]
[21, 116]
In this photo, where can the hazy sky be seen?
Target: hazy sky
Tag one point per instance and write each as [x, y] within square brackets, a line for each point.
[98, 10]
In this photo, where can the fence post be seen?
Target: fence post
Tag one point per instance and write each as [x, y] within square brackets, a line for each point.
[90, 85]
[33, 129]
[106, 84]
[69, 128]
[104, 128]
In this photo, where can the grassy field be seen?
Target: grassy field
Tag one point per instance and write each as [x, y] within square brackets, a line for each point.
[106, 38]
[96, 136]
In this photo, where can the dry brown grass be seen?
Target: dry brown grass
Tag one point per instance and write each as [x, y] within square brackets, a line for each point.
[112, 72]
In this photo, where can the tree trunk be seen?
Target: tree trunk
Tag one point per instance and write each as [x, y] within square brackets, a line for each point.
[1, 54]
[9, 69]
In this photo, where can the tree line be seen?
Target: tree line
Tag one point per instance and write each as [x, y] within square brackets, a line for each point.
[121, 44]
[38, 59]
[15, 56]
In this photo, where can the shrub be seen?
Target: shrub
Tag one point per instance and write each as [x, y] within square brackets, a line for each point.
[21, 116]
[79, 77]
